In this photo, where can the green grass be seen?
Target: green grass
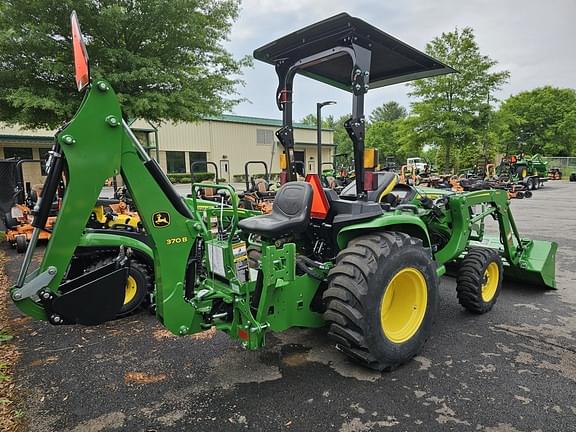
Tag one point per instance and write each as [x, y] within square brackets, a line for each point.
[5, 336]
[4, 376]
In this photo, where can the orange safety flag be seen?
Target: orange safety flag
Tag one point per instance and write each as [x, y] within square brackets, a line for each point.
[320, 205]
[80, 54]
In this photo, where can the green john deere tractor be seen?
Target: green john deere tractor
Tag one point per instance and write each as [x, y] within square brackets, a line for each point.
[529, 171]
[366, 267]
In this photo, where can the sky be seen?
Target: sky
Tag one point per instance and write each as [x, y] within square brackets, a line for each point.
[534, 40]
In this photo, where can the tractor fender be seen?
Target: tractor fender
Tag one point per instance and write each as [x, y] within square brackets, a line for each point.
[116, 238]
[401, 222]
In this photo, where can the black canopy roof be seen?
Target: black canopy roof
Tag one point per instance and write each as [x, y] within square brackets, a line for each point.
[392, 60]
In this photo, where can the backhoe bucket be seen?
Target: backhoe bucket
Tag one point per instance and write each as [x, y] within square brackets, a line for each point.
[537, 264]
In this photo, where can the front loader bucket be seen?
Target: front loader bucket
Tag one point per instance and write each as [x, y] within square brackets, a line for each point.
[537, 264]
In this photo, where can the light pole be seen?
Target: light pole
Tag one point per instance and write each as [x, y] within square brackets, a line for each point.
[319, 107]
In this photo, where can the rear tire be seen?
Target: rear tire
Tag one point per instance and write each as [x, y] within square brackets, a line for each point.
[138, 286]
[382, 299]
[479, 280]
[530, 183]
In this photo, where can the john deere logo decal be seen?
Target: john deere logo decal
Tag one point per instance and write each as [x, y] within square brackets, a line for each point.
[161, 219]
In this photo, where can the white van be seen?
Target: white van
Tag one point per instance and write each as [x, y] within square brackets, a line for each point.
[417, 162]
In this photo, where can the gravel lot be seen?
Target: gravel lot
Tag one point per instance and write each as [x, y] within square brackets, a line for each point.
[512, 370]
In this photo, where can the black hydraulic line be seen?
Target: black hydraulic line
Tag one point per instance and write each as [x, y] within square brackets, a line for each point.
[44, 205]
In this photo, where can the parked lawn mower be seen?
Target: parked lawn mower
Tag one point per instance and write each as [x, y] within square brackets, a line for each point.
[258, 194]
[554, 174]
[19, 228]
[408, 175]
[328, 176]
[390, 164]
[343, 169]
[209, 192]
[367, 271]
[17, 199]
[114, 214]
[514, 190]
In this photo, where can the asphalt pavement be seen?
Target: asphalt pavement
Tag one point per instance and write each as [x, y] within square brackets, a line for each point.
[511, 370]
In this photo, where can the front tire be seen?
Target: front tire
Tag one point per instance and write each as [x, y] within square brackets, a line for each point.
[382, 299]
[479, 280]
[21, 243]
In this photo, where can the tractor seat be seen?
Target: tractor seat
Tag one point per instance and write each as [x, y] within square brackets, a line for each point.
[290, 213]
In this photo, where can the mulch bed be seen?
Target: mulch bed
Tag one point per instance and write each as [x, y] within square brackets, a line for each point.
[10, 415]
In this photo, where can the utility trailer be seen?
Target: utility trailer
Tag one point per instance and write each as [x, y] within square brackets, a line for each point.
[365, 265]
[528, 171]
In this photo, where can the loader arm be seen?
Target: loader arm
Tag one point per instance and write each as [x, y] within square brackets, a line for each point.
[531, 261]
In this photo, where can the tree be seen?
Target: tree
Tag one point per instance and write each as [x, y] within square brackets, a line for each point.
[542, 121]
[165, 59]
[450, 113]
[328, 122]
[388, 111]
[341, 138]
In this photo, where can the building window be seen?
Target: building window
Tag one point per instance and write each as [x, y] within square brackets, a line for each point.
[264, 136]
[198, 157]
[17, 152]
[175, 162]
[144, 139]
[43, 153]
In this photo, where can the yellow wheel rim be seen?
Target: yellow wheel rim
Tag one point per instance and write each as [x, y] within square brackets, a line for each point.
[490, 285]
[404, 305]
[130, 291]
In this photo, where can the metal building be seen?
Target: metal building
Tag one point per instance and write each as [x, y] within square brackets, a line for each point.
[227, 140]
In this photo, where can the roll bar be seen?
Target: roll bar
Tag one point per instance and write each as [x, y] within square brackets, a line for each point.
[207, 163]
[255, 162]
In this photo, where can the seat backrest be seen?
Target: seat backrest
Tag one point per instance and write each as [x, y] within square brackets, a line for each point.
[260, 185]
[293, 200]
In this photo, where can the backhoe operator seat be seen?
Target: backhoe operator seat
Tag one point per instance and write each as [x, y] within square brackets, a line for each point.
[290, 213]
